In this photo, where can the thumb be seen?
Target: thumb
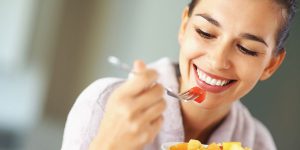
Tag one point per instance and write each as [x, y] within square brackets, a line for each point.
[138, 66]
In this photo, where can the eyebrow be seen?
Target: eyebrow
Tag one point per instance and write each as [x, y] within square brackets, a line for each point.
[244, 35]
[209, 19]
[254, 38]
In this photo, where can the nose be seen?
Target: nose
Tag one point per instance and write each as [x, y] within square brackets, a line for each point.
[219, 58]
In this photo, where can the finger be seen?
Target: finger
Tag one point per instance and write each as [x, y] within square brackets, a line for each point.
[159, 118]
[149, 97]
[139, 82]
[153, 112]
[154, 128]
[138, 66]
[150, 131]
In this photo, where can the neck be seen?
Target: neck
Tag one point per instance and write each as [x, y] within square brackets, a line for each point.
[199, 123]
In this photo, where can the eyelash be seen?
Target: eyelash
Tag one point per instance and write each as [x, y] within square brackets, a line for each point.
[205, 34]
[246, 51]
[240, 47]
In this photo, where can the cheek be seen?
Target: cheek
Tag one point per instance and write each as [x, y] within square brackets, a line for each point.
[249, 76]
[249, 79]
[191, 46]
[189, 49]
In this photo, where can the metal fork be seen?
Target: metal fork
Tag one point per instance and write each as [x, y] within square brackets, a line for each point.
[188, 95]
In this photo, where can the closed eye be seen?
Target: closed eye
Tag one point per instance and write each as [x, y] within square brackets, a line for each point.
[204, 34]
[246, 51]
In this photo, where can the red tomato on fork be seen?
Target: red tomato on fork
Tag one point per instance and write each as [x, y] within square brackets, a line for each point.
[198, 91]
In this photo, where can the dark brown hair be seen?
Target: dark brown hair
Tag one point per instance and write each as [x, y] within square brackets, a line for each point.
[290, 9]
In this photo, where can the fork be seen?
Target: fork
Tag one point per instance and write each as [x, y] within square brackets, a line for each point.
[194, 94]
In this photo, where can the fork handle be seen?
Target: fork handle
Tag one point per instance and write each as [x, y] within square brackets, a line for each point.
[170, 93]
[115, 61]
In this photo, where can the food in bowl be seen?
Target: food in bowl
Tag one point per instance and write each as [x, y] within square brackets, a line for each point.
[196, 145]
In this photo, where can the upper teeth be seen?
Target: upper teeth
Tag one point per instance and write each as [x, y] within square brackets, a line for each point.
[209, 80]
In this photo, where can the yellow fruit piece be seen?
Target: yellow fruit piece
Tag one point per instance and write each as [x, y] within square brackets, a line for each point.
[232, 146]
[194, 145]
[213, 146]
[173, 147]
[236, 147]
[180, 146]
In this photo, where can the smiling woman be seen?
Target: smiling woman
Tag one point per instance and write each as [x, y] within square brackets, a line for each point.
[213, 38]
[226, 48]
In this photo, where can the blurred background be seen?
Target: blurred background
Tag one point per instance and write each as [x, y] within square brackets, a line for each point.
[51, 50]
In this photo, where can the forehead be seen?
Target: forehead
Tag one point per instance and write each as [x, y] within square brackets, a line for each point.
[252, 9]
[261, 17]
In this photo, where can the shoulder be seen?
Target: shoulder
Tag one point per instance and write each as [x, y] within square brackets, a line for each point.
[262, 138]
[98, 88]
[86, 113]
[94, 96]
[96, 93]
[100, 85]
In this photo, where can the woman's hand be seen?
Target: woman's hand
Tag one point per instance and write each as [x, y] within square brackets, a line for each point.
[133, 114]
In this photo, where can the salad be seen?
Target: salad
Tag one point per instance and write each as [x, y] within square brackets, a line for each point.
[196, 145]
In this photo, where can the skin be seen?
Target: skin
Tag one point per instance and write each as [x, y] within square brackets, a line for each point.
[133, 114]
[221, 55]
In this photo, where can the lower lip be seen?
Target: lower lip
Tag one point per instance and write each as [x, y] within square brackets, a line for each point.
[211, 88]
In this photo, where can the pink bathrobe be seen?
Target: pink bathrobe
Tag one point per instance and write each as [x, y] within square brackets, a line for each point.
[85, 116]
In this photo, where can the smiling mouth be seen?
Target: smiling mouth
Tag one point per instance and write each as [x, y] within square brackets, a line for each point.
[211, 82]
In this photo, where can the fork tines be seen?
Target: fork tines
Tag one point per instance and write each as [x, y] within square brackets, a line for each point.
[188, 96]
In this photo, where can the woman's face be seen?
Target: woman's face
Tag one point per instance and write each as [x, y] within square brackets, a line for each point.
[227, 47]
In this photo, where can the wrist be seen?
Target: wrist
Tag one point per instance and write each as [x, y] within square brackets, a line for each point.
[98, 144]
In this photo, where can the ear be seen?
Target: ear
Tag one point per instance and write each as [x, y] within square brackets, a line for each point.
[274, 64]
[184, 21]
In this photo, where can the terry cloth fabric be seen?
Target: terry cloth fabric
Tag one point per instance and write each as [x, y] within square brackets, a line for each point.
[87, 112]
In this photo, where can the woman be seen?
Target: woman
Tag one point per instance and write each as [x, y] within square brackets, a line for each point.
[226, 47]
